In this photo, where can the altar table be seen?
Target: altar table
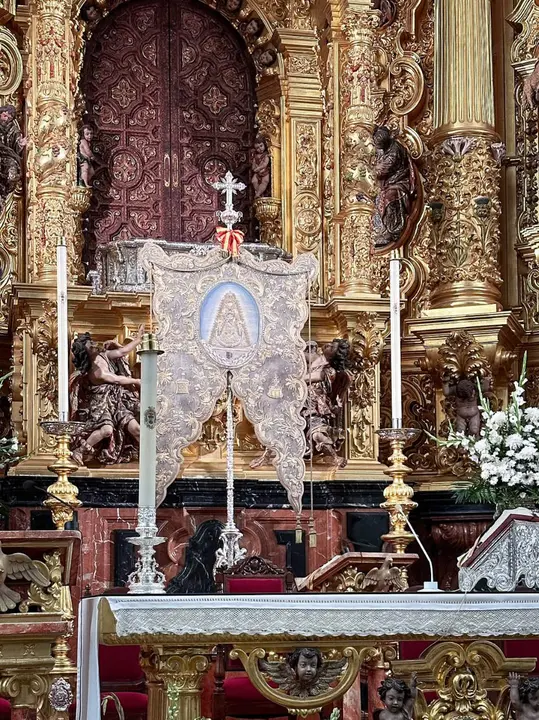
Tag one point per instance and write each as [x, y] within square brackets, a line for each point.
[193, 621]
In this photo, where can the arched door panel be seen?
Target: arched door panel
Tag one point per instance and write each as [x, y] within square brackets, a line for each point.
[125, 81]
[170, 90]
[212, 116]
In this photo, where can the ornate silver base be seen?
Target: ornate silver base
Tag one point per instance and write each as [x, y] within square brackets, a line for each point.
[146, 579]
[230, 553]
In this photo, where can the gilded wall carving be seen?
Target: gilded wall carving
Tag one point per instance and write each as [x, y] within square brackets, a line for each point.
[307, 201]
[465, 211]
[366, 343]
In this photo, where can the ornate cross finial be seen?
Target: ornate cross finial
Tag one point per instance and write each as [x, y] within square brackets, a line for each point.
[229, 186]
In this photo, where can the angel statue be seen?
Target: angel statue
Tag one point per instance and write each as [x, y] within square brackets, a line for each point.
[398, 698]
[328, 380]
[17, 566]
[105, 396]
[305, 673]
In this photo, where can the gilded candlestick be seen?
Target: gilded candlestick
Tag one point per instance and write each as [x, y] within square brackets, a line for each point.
[63, 495]
[398, 495]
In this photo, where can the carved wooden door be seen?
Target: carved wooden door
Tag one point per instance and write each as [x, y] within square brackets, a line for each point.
[212, 117]
[169, 89]
[126, 80]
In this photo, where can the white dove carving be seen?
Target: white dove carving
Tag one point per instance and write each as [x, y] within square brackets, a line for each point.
[17, 566]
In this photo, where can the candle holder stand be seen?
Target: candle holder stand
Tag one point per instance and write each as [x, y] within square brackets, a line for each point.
[65, 499]
[230, 553]
[146, 579]
[398, 495]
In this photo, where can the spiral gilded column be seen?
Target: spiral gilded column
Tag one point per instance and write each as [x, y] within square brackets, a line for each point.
[358, 79]
[466, 158]
[51, 157]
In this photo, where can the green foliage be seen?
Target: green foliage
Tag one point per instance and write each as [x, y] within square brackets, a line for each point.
[479, 492]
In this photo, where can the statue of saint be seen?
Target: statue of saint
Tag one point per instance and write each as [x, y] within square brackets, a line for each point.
[11, 147]
[105, 396]
[327, 383]
[260, 165]
[396, 178]
[85, 156]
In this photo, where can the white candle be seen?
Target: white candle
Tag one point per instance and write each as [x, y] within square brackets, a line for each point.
[395, 317]
[148, 436]
[63, 340]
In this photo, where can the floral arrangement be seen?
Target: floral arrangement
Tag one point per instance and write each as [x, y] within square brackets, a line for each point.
[506, 453]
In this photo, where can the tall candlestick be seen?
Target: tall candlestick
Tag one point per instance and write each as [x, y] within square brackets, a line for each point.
[147, 578]
[63, 340]
[148, 438]
[395, 317]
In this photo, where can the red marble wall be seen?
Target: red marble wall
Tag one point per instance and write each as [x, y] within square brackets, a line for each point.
[97, 526]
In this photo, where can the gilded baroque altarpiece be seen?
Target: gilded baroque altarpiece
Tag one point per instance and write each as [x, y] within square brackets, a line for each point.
[469, 274]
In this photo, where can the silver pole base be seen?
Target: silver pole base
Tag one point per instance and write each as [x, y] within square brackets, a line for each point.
[146, 579]
[230, 553]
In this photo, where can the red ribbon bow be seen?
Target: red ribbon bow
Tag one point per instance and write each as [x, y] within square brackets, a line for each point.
[230, 240]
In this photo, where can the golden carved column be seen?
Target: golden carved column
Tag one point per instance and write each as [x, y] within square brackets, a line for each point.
[358, 79]
[51, 157]
[174, 677]
[302, 187]
[466, 159]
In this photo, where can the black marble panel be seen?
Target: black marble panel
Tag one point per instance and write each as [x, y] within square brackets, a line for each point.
[101, 492]
[296, 557]
[125, 555]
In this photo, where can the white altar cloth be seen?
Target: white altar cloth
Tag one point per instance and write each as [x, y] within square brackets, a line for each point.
[354, 616]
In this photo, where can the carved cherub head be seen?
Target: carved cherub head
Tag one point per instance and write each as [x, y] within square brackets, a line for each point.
[394, 693]
[233, 6]
[337, 353]
[259, 145]
[307, 663]
[466, 389]
[253, 29]
[267, 57]
[91, 13]
[304, 673]
[528, 691]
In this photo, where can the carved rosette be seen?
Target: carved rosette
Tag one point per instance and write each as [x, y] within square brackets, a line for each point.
[465, 212]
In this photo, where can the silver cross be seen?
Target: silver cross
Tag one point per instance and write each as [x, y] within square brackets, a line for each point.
[229, 186]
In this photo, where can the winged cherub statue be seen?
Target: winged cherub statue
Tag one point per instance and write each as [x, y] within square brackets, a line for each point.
[305, 673]
[17, 566]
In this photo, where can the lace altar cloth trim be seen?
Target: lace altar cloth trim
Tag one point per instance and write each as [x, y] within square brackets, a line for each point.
[432, 615]
[308, 615]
